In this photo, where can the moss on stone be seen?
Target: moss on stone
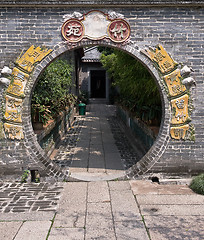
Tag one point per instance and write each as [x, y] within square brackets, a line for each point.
[2, 136]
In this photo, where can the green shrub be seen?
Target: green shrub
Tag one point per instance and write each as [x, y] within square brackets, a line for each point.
[25, 175]
[197, 184]
[52, 93]
[137, 89]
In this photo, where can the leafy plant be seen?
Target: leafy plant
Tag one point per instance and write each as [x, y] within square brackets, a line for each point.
[52, 93]
[136, 87]
[197, 184]
[25, 175]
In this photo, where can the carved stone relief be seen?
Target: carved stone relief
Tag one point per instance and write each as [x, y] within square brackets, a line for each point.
[176, 82]
[15, 91]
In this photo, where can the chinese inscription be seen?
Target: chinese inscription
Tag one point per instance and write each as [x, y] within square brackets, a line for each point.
[15, 92]
[173, 80]
[95, 25]
[174, 84]
[73, 30]
[180, 109]
[32, 56]
[118, 30]
[13, 131]
[179, 132]
[161, 58]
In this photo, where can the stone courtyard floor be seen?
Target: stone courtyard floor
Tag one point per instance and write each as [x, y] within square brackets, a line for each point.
[121, 210]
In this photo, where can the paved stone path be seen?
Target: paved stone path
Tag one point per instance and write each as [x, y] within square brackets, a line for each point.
[96, 147]
[112, 210]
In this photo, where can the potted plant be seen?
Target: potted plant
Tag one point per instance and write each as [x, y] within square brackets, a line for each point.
[40, 115]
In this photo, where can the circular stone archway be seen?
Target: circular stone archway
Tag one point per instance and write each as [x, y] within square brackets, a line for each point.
[48, 167]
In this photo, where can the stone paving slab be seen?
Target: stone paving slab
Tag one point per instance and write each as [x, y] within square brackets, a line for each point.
[99, 216]
[183, 222]
[66, 234]
[175, 234]
[36, 230]
[94, 195]
[72, 206]
[123, 209]
[119, 185]
[131, 230]
[174, 210]
[148, 187]
[8, 230]
[170, 199]
[28, 216]
[100, 234]
[175, 227]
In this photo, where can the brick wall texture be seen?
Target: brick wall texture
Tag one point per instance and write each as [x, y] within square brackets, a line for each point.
[178, 29]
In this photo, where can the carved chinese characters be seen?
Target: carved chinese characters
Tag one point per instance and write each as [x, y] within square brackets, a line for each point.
[15, 92]
[19, 81]
[179, 132]
[13, 131]
[32, 56]
[180, 110]
[173, 82]
[13, 109]
[174, 79]
[118, 30]
[95, 25]
[73, 30]
[161, 58]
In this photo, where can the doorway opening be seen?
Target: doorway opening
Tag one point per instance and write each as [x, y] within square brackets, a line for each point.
[153, 149]
[98, 84]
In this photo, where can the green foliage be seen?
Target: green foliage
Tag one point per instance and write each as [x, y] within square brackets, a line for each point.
[137, 89]
[52, 92]
[197, 184]
[25, 175]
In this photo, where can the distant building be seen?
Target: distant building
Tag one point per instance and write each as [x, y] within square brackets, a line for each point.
[93, 77]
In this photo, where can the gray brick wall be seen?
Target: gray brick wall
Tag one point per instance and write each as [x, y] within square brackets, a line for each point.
[178, 29]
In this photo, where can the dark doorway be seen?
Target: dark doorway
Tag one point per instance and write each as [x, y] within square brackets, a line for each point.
[98, 84]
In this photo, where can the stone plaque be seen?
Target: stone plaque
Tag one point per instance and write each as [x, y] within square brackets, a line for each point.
[95, 25]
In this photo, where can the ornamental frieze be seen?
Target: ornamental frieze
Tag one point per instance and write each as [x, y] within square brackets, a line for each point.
[95, 25]
[13, 109]
[15, 91]
[179, 132]
[13, 131]
[174, 84]
[32, 56]
[176, 81]
[180, 110]
[16, 88]
[161, 58]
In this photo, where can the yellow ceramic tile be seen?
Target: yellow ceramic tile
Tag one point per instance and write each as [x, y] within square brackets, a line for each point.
[173, 82]
[32, 56]
[179, 132]
[180, 109]
[13, 131]
[159, 55]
